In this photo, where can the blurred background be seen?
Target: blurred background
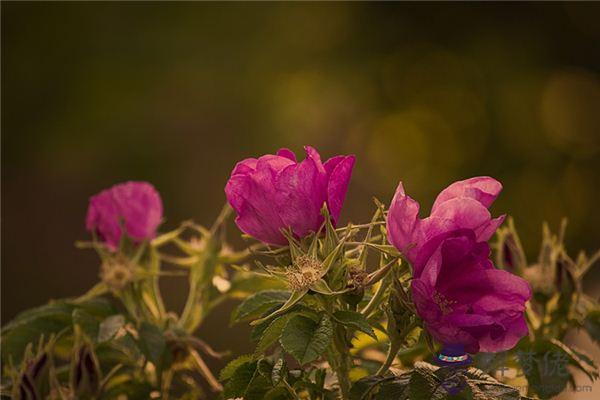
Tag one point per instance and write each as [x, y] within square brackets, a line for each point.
[176, 94]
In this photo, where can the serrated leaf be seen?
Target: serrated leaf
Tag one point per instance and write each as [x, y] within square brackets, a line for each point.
[152, 343]
[305, 339]
[240, 379]
[355, 320]
[257, 304]
[271, 334]
[228, 371]
[109, 327]
[247, 383]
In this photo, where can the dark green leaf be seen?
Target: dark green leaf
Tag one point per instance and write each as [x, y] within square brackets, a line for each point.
[247, 383]
[305, 339]
[30, 325]
[233, 365]
[152, 343]
[272, 334]
[87, 323]
[355, 320]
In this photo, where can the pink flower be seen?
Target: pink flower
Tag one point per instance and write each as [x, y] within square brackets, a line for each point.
[134, 206]
[462, 205]
[461, 297]
[276, 192]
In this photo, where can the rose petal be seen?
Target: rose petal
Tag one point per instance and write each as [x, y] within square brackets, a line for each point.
[337, 187]
[483, 189]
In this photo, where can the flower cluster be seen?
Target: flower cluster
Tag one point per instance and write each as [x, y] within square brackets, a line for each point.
[460, 295]
[462, 298]
[334, 308]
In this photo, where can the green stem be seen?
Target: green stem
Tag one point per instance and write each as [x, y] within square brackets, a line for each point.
[389, 359]
[341, 360]
[344, 361]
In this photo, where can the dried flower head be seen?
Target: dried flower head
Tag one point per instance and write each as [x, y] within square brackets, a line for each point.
[305, 271]
[117, 273]
[357, 277]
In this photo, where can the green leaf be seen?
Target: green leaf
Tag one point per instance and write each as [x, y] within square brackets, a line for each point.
[152, 343]
[240, 380]
[87, 323]
[247, 382]
[109, 327]
[257, 304]
[544, 365]
[295, 297]
[306, 339]
[355, 320]
[271, 334]
[30, 325]
[228, 371]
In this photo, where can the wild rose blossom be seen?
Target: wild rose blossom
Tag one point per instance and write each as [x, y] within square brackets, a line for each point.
[134, 206]
[276, 192]
[461, 297]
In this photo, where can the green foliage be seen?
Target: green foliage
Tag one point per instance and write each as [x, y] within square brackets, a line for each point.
[255, 305]
[306, 339]
[429, 382]
[332, 315]
[354, 320]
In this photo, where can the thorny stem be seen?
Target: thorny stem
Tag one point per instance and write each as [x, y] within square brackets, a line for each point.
[394, 348]
[339, 352]
[343, 367]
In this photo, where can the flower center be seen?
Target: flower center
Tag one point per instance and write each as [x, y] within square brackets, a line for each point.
[305, 271]
[443, 303]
